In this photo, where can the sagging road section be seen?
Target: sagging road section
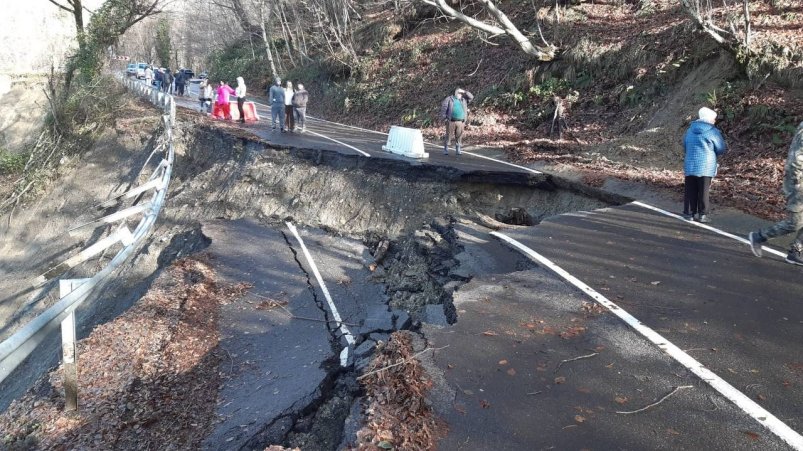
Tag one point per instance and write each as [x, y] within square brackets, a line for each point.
[533, 364]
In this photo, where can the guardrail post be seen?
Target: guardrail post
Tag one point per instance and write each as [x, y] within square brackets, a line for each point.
[68, 349]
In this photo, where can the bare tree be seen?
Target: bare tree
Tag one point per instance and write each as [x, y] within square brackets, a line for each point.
[735, 33]
[266, 38]
[110, 21]
[75, 8]
[501, 25]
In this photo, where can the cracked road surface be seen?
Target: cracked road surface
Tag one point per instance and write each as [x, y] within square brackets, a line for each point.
[279, 366]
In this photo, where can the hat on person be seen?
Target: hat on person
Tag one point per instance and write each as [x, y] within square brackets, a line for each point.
[707, 115]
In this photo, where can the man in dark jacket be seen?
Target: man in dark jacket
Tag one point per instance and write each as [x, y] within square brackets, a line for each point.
[793, 191]
[300, 99]
[180, 83]
[454, 111]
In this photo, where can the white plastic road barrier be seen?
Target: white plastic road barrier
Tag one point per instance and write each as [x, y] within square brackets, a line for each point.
[407, 142]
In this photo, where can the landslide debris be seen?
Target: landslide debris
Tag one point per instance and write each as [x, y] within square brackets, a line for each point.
[397, 413]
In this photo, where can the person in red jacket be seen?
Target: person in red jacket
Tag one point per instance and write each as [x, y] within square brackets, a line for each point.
[224, 91]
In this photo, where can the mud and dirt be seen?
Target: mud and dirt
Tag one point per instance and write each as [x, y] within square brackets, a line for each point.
[407, 215]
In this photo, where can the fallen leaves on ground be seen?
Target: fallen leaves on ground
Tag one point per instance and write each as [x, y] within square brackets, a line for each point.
[395, 401]
[147, 380]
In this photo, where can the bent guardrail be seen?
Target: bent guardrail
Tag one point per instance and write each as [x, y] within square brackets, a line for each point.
[72, 292]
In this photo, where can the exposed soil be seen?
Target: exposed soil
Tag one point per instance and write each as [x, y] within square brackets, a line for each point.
[223, 176]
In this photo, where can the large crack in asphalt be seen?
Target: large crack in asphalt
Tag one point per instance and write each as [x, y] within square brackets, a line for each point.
[414, 212]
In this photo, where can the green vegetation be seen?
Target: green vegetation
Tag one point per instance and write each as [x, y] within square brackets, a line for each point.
[163, 42]
[12, 163]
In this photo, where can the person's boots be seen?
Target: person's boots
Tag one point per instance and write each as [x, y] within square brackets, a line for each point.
[445, 149]
[795, 255]
[457, 150]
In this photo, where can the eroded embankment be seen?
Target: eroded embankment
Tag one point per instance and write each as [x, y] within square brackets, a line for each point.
[405, 210]
[403, 215]
[219, 175]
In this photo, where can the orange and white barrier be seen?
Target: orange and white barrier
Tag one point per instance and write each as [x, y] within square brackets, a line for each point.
[249, 108]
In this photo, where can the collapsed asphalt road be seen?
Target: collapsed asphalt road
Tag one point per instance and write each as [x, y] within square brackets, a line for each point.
[519, 358]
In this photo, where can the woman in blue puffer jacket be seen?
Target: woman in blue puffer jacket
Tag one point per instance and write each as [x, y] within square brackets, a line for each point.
[703, 144]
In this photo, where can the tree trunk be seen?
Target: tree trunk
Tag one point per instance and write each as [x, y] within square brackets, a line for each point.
[267, 40]
[503, 26]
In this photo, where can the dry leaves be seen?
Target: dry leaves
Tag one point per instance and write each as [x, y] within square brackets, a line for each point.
[148, 379]
[395, 400]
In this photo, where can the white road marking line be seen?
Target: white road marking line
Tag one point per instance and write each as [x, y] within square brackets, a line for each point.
[344, 355]
[747, 405]
[707, 227]
[499, 161]
[437, 146]
[348, 126]
[339, 142]
[366, 154]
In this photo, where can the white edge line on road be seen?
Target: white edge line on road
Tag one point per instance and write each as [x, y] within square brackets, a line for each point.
[363, 153]
[524, 168]
[436, 146]
[344, 355]
[749, 406]
[707, 227]
[348, 126]
[366, 154]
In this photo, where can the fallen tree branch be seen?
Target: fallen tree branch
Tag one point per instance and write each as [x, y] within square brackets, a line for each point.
[407, 360]
[576, 358]
[664, 398]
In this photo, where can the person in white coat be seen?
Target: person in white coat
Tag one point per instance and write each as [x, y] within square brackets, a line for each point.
[240, 93]
[289, 120]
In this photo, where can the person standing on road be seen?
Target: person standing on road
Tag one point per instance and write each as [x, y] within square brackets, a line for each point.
[703, 144]
[148, 76]
[288, 106]
[300, 99]
[793, 192]
[209, 95]
[276, 97]
[224, 91]
[180, 83]
[454, 111]
[202, 98]
[167, 80]
[240, 92]
[159, 79]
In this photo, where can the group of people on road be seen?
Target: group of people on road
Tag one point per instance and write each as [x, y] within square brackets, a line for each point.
[288, 106]
[221, 96]
[703, 144]
[166, 81]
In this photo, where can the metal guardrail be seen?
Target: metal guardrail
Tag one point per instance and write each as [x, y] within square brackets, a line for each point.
[72, 292]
